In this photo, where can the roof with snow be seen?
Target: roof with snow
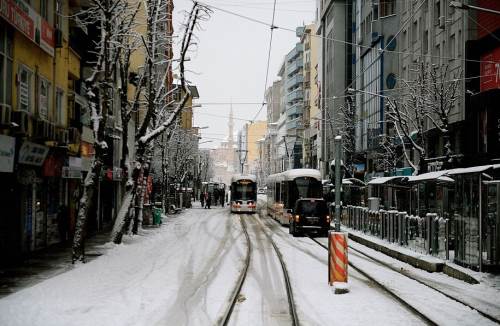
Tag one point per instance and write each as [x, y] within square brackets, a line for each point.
[239, 177]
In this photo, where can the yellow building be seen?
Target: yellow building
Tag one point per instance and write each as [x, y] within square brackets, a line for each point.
[312, 114]
[254, 132]
[39, 73]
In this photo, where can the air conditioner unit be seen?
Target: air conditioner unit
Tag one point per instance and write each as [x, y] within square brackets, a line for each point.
[5, 115]
[442, 22]
[21, 119]
[73, 136]
[62, 136]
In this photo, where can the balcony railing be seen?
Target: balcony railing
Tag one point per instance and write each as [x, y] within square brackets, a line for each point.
[292, 82]
[295, 95]
[295, 109]
[297, 50]
[294, 66]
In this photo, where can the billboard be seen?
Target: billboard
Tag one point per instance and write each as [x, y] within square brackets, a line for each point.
[26, 20]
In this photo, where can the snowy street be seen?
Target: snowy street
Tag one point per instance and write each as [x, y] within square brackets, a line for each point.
[184, 273]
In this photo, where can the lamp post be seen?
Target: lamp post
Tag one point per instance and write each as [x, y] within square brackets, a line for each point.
[460, 5]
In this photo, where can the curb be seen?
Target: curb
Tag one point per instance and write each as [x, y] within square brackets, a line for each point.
[431, 267]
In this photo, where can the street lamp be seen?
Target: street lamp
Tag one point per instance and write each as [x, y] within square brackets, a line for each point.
[460, 5]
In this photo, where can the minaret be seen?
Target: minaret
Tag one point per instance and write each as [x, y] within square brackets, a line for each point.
[231, 126]
[230, 143]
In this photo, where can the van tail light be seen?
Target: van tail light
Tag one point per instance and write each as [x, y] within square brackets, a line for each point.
[297, 218]
[328, 219]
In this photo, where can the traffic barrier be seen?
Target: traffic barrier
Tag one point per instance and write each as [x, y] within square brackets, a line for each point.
[337, 253]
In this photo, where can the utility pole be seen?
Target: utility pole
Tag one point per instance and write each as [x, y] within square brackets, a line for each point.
[338, 180]
[288, 155]
[242, 161]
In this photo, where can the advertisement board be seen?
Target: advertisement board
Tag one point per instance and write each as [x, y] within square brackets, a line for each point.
[32, 154]
[7, 153]
[26, 20]
[490, 70]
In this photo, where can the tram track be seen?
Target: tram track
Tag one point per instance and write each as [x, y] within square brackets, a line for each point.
[224, 320]
[406, 274]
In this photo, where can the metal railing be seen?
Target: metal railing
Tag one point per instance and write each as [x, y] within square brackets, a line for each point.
[428, 235]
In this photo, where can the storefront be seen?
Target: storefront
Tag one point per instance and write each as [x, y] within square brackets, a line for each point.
[10, 223]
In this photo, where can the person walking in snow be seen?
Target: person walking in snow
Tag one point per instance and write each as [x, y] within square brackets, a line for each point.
[202, 199]
[209, 200]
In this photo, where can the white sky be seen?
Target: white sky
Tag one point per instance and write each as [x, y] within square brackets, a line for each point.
[230, 62]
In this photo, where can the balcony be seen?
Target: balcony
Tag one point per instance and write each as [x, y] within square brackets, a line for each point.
[294, 81]
[294, 66]
[296, 51]
[296, 109]
[294, 124]
[297, 94]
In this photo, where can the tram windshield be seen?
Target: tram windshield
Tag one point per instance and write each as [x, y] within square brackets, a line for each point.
[244, 190]
[308, 188]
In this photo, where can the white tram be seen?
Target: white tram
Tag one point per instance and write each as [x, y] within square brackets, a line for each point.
[243, 194]
[285, 188]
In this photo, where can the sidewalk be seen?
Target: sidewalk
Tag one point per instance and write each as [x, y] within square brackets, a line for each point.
[46, 263]
[422, 261]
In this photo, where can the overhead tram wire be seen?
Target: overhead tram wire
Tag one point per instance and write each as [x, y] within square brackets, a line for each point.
[272, 27]
[345, 42]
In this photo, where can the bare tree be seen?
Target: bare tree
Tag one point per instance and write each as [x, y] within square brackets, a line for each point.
[442, 94]
[108, 16]
[161, 112]
[409, 113]
[430, 97]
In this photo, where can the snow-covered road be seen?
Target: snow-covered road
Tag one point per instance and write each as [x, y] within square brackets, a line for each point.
[181, 274]
[185, 272]
[263, 299]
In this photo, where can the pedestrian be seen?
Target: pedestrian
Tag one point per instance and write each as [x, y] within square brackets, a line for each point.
[202, 199]
[63, 223]
[209, 200]
[222, 197]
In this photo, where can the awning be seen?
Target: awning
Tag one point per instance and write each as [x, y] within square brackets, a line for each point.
[427, 176]
[383, 180]
[474, 169]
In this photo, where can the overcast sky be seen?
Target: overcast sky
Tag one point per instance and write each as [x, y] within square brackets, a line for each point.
[230, 62]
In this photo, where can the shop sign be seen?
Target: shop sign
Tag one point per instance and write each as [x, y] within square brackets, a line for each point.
[25, 19]
[7, 153]
[490, 70]
[32, 154]
[71, 173]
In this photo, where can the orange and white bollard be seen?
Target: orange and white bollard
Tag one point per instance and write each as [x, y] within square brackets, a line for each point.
[337, 261]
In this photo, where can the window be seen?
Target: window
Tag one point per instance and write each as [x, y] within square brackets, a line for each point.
[403, 41]
[425, 42]
[43, 98]
[44, 9]
[25, 89]
[437, 12]
[375, 6]
[60, 116]
[414, 32]
[6, 81]
[451, 49]
[387, 8]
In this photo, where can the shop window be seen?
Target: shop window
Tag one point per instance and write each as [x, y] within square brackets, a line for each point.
[25, 89]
